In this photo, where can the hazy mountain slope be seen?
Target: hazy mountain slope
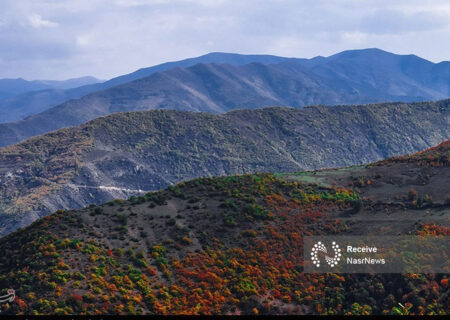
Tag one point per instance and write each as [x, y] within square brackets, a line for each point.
[20, 98]
[352, 77]
[13, 87]
[71, 83]
[382, 75]
[233, 245]
[125, 153]
[213, 57]
[212, 88]
[22, 103]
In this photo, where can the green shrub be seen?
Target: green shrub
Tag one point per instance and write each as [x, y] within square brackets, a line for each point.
[257, 211]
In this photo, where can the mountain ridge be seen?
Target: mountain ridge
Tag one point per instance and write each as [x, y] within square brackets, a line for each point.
[338, 79]
[10, 87]
[148, 150]
[20, 98]
[221, 87]
[44, 99]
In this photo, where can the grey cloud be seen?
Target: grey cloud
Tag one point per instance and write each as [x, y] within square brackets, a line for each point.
[106, 38]
[397, 22]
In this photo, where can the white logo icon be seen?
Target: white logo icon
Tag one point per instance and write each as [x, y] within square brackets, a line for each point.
[332, 261]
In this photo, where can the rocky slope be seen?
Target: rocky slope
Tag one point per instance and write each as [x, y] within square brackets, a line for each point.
[234, 245]
[351, 77]
[127, 153]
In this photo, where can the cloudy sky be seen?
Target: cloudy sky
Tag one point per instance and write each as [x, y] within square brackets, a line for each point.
[58, 39]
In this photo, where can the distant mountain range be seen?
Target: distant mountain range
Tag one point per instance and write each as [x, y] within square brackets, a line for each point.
[220, 82]
[128, 153]
[13, 87]
[20, 98]
[31, 97]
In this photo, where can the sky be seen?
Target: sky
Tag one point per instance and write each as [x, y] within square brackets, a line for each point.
[60, 39]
